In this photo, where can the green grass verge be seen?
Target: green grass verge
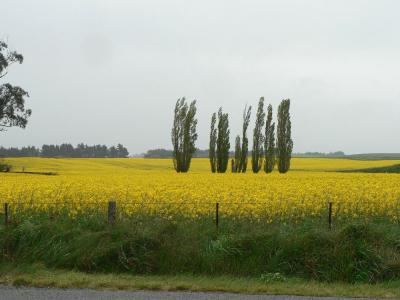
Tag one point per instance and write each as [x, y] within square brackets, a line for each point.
[387, 169]
[39, 276]
[363, 251]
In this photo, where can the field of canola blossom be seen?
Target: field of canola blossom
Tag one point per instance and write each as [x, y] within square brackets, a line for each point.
[153, 187]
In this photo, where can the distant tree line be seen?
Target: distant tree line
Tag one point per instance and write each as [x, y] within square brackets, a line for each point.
[67, 150]
[19, 152]
[158, 153]
[321, 154]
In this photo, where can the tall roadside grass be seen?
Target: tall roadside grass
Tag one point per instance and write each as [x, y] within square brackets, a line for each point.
[354, 251]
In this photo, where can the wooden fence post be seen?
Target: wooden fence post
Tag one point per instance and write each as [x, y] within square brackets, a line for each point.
[330, 216]
[217, 215]
[5, 214]
[112, 211]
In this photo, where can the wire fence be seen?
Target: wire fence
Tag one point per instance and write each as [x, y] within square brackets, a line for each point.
[113, 211]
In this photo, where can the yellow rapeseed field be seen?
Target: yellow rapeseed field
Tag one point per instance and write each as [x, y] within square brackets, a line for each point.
[151, 185]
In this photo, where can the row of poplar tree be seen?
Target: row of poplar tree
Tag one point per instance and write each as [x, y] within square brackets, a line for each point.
[270, 148]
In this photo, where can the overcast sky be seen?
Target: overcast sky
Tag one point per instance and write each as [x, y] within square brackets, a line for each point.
[104, 72]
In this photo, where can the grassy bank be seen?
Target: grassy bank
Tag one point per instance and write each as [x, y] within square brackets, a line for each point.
[367, 252]
[39, 276]
[387, 169]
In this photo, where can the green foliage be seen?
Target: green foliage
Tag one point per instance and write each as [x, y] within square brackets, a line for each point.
[12, 98]
[258, 138]
[241, 167]
[269, 143]
[223, 144]
[184, 134]
[238, 154]
[68, 150]
[219, 142]
[284, 137]
[4, 167]
[336, 154]
[145, 244]
[213, 144]
[158, 153]
[7, 58]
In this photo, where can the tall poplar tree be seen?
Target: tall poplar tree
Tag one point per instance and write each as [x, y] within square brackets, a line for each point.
[269, 143]
[223, 144]
[213, 144]
[284, 137]
[244, 151]
[258, 138]
[183, 134]
[238, 150]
